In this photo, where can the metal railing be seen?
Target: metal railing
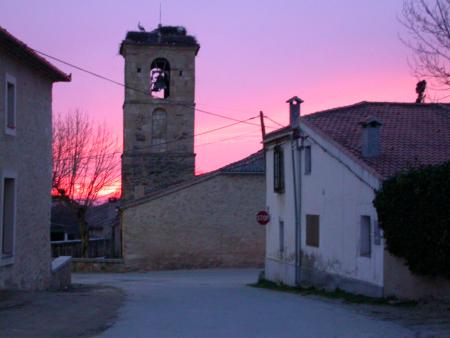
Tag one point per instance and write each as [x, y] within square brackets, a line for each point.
[98, 247]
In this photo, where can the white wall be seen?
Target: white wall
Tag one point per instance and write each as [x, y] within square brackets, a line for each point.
[338, 190]
[28, 157]
[335, 193]
[280, 266]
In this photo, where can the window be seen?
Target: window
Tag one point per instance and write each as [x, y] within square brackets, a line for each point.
[281, 236]
[159, 131]
[10, 105]
[278, 170]
[308, 160]
[160, 79]
[365, 237]
[312, 230]
[8, 217]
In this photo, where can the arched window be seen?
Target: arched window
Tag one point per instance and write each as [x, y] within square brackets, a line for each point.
[160, 78]
[159, 130]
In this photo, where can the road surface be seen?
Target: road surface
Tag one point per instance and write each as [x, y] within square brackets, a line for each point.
[218, 303]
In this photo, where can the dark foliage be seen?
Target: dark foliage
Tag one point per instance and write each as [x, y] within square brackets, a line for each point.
[414, 212]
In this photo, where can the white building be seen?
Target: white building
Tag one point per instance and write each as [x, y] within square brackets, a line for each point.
[321, 174]
[26, 82]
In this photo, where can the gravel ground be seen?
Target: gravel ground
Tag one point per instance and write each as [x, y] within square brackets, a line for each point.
[81, 311]
[431, 319]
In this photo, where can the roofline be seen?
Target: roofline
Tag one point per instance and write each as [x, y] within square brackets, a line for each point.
[168, 190]
[283, 132]
[181, 186]
[186, 184]
[44, 66]
[342, 149]
[329, 110]
[224, 170]
[129, 43]
[278, 134]
[242, 173]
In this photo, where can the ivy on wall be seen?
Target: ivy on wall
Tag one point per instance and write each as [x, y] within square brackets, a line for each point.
[414, 212]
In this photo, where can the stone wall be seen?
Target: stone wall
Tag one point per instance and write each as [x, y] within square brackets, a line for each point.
[401, 283]
[144, 166]
[145, 172]
[98, 265]
[61, 273]
[28, 156]
[210, 223]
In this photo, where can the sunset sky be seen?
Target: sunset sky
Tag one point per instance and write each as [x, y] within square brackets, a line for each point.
[254, 55]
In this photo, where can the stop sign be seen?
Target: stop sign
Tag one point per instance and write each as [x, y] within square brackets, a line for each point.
[262, 217]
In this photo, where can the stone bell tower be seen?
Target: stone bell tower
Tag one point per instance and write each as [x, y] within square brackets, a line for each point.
[158, 112]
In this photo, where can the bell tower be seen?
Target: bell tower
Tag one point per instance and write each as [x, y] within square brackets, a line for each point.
[158, 112]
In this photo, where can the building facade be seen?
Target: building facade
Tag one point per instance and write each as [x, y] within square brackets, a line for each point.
[208, 221]
[158, 111]
[324, 228]
[25, 164]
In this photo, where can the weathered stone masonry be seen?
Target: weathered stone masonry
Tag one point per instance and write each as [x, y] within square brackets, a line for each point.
[27, 156]
[147, 167]
[207, 222]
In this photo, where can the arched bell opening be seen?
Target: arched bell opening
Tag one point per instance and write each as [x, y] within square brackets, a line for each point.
[160, 78]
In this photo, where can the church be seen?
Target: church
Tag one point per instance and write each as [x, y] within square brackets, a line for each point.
[170, 218]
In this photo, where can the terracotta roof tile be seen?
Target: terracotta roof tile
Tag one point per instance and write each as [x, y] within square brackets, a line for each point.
[250, 164]
[411, 134]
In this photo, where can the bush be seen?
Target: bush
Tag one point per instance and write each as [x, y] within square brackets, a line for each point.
[414, 212]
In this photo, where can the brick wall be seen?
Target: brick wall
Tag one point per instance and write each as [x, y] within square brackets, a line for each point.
[208, 224]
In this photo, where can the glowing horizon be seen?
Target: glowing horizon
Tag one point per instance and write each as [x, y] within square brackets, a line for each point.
[253, 56]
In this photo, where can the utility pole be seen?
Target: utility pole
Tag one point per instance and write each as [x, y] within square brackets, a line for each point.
[263, 127]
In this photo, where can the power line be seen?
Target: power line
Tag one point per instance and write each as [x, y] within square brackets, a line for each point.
[226, 139]
[195, 135]
[165, 143]
[102, 77]
[183, 139]
[442, 98]
[267, 117]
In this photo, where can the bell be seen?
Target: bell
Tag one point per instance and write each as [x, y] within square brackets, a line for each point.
[159, 83]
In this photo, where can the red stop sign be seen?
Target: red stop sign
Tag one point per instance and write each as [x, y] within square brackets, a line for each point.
[263, 217]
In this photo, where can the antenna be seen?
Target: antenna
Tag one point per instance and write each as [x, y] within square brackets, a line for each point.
[160, 14]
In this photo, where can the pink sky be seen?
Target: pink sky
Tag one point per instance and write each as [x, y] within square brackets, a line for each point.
[254, 55]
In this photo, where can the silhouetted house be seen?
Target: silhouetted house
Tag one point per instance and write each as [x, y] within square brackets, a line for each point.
[64, 225]
[25, 164]
[103, 221]
[321, 178]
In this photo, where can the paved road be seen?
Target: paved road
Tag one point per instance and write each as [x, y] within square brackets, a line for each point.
[218, 303]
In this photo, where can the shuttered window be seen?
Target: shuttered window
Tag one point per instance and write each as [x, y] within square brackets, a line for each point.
[365, 237]
[10, 105]
[8, 217]
[281, 236]
[312, 230]
[307, 160]
[278, 170]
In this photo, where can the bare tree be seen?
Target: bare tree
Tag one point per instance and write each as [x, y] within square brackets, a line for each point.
[428, 25]
[85, 162]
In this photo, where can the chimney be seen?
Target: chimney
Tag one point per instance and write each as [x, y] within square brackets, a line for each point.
[294, 111]
[371, 142]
